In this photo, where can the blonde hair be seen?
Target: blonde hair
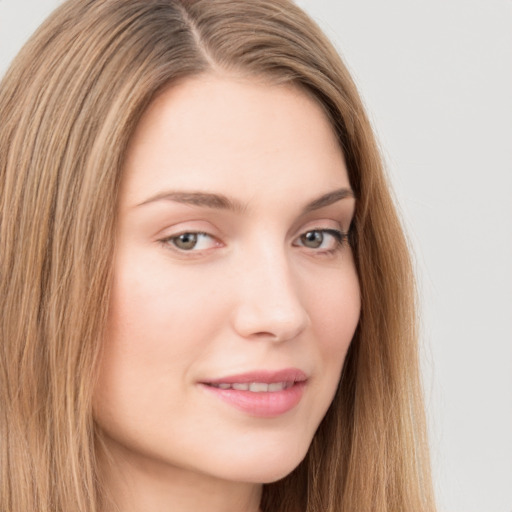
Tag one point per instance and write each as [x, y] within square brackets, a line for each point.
[68, 107]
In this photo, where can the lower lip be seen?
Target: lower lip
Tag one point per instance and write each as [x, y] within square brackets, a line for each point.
[265, 404]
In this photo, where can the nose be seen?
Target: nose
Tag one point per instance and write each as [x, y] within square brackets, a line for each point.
[269, 302]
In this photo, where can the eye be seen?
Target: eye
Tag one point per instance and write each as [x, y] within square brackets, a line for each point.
[328, 240]
[191, 241]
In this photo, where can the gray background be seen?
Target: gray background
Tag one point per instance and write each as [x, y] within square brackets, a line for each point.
[436, 76]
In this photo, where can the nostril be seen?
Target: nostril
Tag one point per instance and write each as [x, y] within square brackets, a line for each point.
[271, 323]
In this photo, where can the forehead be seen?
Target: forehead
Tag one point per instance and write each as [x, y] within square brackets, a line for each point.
[215, 132]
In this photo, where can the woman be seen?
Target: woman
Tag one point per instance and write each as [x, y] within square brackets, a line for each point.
[207, 299]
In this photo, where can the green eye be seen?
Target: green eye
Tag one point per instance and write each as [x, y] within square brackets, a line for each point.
[186, 241]
[325, 240]
[191, 241]
[312, 239]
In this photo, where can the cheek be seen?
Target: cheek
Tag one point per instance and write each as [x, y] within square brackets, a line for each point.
[161, 321]
[155, 332]
[153, 306]
[335, 308]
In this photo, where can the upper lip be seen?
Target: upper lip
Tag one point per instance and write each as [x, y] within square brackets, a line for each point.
[264, 376]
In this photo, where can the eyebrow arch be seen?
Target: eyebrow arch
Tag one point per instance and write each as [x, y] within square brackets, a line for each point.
[222, 202]
[328, 199]
[204, 199]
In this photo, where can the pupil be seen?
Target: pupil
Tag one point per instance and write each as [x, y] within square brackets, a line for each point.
[313, 239]
[186, 241]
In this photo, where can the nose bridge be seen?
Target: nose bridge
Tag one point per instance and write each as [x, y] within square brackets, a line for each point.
[269, 299]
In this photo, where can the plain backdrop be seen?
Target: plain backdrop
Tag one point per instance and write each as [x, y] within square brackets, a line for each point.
[436, 77]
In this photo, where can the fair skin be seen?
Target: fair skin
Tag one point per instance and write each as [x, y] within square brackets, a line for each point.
[235, 296]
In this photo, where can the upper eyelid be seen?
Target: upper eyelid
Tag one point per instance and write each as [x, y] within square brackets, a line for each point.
[188, 226]
[315, 219]
[323, 224]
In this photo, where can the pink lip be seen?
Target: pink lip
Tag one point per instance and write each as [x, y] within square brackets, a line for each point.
[266, 376]
[261, 404]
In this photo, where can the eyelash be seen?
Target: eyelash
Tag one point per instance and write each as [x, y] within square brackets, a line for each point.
[196, 234]
[341, 239]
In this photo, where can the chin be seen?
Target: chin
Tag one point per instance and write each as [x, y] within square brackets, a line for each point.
[265, 467]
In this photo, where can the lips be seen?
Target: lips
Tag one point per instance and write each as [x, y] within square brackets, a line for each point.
[263, 376]
[260, 393]
[255, 387]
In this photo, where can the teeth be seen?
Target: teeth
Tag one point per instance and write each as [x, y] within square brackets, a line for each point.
[255, 387]
[258, 387]
[241, 387]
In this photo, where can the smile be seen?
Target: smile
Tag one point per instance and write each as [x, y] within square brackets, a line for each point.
[255, 387]
[264, 394]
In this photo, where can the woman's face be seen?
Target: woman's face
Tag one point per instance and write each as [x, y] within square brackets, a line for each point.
[235, 295]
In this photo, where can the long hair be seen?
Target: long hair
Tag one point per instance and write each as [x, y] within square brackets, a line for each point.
[68, 107]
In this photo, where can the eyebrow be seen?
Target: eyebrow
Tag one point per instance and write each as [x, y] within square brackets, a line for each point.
[222, 202]
[203, 199]
[328, 199]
